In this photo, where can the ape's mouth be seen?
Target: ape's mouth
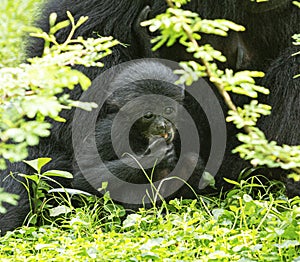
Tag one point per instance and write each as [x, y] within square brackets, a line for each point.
[165, 136]
[169, 136]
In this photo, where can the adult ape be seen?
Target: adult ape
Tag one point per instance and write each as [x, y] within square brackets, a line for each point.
[120, 19]
[269, 26]
[265, 45]
[138, 99]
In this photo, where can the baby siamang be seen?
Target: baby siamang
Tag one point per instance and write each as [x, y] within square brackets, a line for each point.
[130, 142]
[143, 109]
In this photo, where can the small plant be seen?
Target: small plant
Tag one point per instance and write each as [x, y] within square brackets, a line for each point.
[38, 184]
[51, 203]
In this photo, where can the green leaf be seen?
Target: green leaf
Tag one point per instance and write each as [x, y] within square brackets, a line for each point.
[37, 164]
[231, 181]
[58, 173]
[56, 211]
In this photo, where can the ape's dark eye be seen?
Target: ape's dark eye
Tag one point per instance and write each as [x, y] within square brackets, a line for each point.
[148, 115]
[169, 110]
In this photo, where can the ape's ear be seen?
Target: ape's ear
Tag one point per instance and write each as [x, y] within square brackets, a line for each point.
[143, 34]
[256, 8]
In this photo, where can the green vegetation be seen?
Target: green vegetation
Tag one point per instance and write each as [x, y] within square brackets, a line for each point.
[30, 89]
[247, 225]
[252, 222]
[13, 16]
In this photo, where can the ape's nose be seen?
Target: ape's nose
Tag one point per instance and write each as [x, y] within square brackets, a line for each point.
[165, 130]
[161, 128]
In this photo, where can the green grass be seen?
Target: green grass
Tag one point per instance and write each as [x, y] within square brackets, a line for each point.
[247, 224]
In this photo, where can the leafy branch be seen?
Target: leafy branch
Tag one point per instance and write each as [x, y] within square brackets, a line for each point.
[186, 27]
[30, 92]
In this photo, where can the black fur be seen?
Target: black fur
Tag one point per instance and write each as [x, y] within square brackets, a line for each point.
[266, 45]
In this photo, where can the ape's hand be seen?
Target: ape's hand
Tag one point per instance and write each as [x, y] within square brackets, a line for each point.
[158, 147]
[159, 153]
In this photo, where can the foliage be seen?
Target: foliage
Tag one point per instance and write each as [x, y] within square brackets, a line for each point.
[186, 27]
[29, 92]
[13, 20]
[207, 229]
[7, 198]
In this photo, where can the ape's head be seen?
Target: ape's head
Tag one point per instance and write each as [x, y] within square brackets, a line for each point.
[147, 99]
[155, 112]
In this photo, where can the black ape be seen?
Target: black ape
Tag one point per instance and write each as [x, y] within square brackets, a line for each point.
[283, 124]
[267, 45]
[269, 27]
[143, 108]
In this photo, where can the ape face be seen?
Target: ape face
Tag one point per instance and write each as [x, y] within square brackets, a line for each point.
[152, 126]
[148, 106]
